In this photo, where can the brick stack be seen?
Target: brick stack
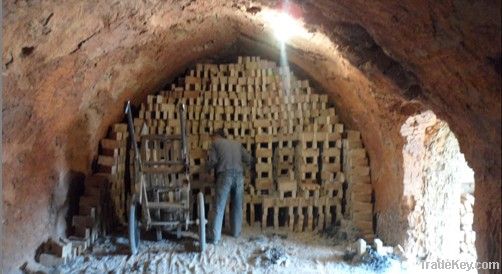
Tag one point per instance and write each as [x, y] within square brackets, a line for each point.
[359, 209]
[306, 163]
[292, 132]
[112, 162]
[264, 182]
[94, 216]
[284, 156]
[197, 163]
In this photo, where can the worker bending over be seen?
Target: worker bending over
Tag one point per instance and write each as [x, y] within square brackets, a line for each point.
[227, 157]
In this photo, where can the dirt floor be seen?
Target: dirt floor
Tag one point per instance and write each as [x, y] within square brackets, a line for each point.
[255, 251]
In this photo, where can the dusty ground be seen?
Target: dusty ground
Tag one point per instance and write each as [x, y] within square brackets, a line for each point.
[255, 251]
[304, 253]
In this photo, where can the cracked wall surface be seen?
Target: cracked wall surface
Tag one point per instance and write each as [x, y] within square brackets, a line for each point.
[70, 65]
[433, 184]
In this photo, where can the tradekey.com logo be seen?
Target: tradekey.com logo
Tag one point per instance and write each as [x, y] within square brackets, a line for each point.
[458, 264]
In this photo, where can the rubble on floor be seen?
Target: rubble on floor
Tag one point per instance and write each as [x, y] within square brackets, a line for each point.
[271, 256]
[377, 257]
[256, 251]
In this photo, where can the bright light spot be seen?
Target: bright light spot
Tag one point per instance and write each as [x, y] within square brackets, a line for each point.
[283, 25]
[285, 28]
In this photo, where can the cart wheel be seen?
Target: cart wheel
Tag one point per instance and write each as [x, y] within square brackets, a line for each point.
[134, 230]
[202, 221]
[158, 233]
[178, 232]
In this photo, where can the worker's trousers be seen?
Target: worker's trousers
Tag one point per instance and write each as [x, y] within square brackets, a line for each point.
[230, 181]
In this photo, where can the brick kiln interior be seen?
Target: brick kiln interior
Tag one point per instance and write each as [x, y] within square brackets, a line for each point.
[69, 68]
[294, 135]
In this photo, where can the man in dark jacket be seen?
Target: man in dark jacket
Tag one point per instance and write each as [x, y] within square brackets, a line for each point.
[227, 158]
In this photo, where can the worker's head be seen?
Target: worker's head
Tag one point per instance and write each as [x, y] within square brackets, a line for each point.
[219, 133]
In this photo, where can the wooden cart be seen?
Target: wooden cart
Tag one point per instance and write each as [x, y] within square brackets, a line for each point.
[161, 191]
